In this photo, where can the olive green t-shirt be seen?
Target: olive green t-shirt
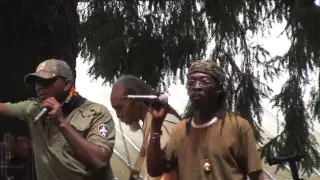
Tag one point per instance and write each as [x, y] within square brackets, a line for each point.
[54, 158]
[228, 145]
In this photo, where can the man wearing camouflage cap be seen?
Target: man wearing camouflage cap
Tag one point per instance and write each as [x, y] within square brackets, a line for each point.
[211, 145]
[75, 138]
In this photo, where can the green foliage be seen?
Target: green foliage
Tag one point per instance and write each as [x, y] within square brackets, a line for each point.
[151, 39]
[296, 137]
[148, 40]
[303, 23]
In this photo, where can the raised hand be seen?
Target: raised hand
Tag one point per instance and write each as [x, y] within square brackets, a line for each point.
[159, 112]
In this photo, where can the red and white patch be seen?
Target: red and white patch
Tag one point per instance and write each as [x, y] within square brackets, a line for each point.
[103, 130]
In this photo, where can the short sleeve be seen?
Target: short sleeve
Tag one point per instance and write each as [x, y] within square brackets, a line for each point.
[170, 154]
[168, 125]
[102, 132]
[18, 110]
[251, 156]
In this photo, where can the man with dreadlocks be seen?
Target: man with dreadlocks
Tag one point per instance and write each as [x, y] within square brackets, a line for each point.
[132, 111]
[213, 144]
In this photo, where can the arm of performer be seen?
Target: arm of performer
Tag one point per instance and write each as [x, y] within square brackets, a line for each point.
[15, 110]
[95, 150]
[251, 154]
[3, 109]
[160, 161]
[155, 160]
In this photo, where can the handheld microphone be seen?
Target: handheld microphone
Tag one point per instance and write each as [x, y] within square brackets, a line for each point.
[42, 113]
[162, 98]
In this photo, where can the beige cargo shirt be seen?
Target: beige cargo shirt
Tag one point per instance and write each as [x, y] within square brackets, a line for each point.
[54, 158]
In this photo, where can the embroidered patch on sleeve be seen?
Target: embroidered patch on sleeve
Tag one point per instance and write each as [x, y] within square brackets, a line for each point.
[103, 130]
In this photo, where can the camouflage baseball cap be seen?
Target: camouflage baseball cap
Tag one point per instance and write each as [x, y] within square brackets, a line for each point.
[49, 69]
[208, 67]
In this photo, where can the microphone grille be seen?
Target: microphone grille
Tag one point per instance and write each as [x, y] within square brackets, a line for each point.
[163, 98]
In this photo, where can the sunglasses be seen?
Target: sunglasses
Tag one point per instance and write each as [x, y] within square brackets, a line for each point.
[201, 82]
[46, 82]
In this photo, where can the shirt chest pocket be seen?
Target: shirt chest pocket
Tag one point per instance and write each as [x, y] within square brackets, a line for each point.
[82, 121]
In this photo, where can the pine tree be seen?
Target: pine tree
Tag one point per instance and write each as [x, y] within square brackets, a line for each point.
[151, 39]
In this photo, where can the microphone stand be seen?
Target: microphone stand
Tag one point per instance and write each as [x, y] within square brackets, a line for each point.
[292, 163]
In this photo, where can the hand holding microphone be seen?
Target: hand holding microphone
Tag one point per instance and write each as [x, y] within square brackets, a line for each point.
[42, 113]
[52, 108]
[159, 107]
